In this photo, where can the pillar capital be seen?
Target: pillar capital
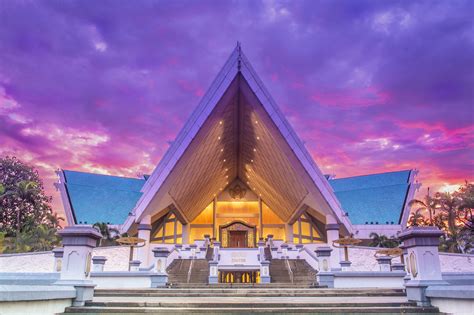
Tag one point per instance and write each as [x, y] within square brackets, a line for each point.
[80, 235]
[324, 251]
[144, 227]
[420, 236]
[161, 252]
[332, 227]
[58, 252]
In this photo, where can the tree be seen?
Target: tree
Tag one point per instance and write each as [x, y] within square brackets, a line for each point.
[383, 241]
[108, 234]
[27, 222]
[417, 219]
[427, 204]
[23, 199]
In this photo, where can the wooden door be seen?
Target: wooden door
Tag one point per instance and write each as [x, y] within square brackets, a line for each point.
[238, 239]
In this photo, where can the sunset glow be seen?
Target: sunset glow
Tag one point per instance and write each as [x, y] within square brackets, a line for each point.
[368, 86]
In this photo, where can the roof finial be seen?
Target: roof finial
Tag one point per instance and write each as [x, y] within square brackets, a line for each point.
[239, 58]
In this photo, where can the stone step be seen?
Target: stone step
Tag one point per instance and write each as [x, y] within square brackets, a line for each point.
[229, 304]
[252, 310]
[255, 291]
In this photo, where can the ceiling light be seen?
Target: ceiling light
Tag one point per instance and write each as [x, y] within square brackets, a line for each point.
[224, 160]
[222, 150]
[254, 150]
[258, 138]
[251, 161]
[219, 138]
[256, 121]
[220, 122]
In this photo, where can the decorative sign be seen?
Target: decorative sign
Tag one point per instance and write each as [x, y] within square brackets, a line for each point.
[88, 264]
[414, 271]
[237, 192]
[237, 258]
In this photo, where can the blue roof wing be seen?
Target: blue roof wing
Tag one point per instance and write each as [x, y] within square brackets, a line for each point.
[101, 198]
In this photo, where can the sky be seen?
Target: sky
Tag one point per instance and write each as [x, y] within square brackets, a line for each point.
[369, 86]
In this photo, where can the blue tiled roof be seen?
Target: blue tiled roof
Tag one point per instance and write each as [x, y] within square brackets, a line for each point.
[373, 198]
[101, 198]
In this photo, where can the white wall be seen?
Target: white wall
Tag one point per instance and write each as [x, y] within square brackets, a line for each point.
[48, 307]
[453, 306]
[456, 262]
[117, 260]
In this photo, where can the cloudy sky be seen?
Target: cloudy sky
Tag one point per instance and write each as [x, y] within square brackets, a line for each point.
[370, 86]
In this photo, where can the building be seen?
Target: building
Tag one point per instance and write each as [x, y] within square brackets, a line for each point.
[238, 172]
[238, 218]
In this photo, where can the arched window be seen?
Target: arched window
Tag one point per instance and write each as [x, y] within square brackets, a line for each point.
[305, 230]
[168, 230]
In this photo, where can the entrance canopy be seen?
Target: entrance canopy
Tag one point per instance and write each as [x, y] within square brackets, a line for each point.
[237, 132]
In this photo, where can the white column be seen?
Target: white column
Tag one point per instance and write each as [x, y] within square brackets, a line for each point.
[78, 242]
[332, 233]
[144, 230]
[58, 258]
[186, 231]
[422, 260]
[289, 232]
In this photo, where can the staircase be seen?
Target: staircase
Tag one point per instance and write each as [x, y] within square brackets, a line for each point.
[264, 299]
[199, 271]
[279, 271]
[301, 272]
[183, 271]
[178, 271]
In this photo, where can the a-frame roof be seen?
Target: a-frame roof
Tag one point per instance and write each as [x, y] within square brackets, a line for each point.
[237, 131]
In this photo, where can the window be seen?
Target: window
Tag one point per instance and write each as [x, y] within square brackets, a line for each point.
[168, 230]
[305, 230]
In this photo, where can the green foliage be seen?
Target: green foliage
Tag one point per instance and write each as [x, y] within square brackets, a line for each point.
[383, 241]
[27, 222]
[451, 213]
[109, 234]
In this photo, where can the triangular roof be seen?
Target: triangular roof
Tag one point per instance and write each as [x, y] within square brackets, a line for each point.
[236, 97]
[376, 198]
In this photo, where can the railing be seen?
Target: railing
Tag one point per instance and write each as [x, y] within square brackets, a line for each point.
[190, 270]
[290, 272]
[310, 258]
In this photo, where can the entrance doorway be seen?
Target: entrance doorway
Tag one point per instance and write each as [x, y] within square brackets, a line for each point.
[239, 276]
[238, 239]
[238, 234]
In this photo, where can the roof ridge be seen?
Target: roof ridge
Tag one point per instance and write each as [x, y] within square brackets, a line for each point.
[98, 174]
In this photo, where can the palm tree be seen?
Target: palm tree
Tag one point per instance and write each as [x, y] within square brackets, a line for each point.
[427, 204]
[105, 230]
[417, 218]
[382, 241]
[54, 219]
[449, 209]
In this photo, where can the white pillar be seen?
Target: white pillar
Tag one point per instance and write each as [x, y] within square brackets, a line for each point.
[78, 242]
[58, 258]
[186, 233]
[289, 232]
[144, 231]
[332, 233]
[98, 263]
[422, 261]
[161, 254]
